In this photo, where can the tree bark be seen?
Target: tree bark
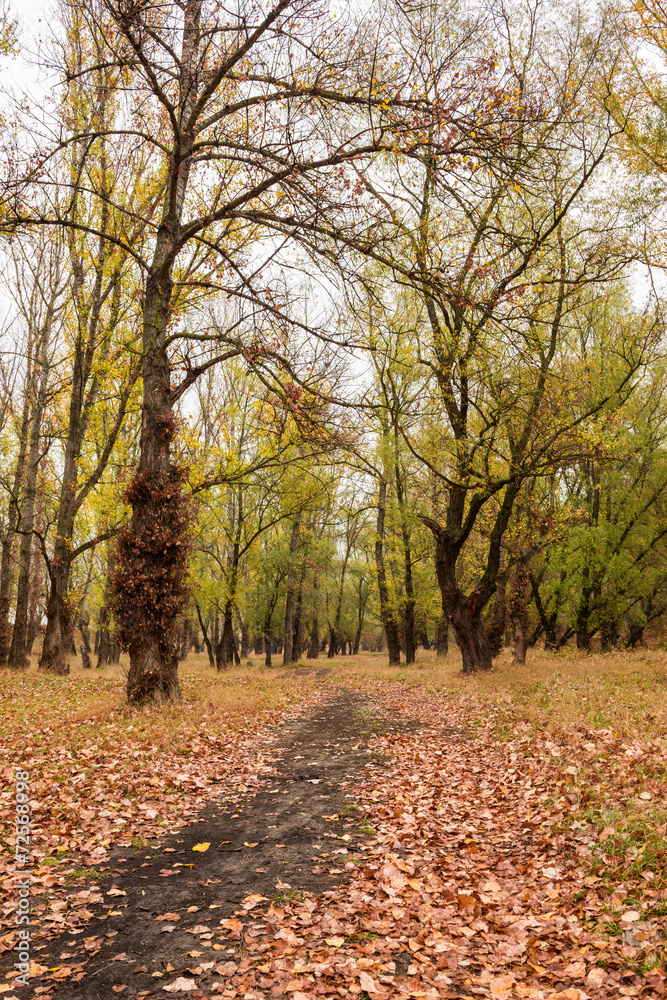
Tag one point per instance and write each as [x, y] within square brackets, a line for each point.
[389, 622]
[207, 641]
[297, 647]
[289, 599]
[18, 651]
[442, 637]
[471, 638]
[495, 627]
[409, 606]
[314, 646]
[245, 641]
[13, 518]
[104, 618]
[519, 613]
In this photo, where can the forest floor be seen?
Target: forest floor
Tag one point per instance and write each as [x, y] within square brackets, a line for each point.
[342, 829]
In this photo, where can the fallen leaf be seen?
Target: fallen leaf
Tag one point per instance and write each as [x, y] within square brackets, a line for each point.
[232, 924]
[367, 982]
[200, 847]
[37, 970]
[181, 985]
[250, 902]
[596, 977]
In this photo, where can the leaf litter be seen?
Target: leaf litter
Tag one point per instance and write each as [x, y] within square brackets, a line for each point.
[482, 878]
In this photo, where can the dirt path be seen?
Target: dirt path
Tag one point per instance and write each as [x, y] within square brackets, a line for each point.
[159, 915]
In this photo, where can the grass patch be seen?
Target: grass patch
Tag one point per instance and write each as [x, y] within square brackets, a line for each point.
[631, 846]
[287, 896]
[89, 874]
[361, 937]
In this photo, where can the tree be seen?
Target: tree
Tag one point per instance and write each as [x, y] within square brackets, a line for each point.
[237, 110]
[41, 293]
[498, 252]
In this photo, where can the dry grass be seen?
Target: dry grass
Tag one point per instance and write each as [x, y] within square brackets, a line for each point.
[36, 706]
[622, 692]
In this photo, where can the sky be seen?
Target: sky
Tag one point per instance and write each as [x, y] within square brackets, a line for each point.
[20, 72]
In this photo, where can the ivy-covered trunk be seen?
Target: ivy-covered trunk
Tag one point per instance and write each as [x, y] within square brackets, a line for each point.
[149, 581]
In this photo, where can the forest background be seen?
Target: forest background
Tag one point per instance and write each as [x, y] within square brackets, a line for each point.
[331, 329]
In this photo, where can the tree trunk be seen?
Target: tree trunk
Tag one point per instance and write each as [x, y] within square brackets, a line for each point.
[635, 633]
[583, 613]
[314, 646]
[495, 626]
[519, 613]
[442, 638]
[149, 583]
[225, 652]
[18, 652]
[207, 641]
[548, 619]
[289, 599]
[268, 639]
[186, 639]
[245, 642]
[84, 629]
[609, 634]
[333, 643]
[409, 607]
[361, 614]
[36, 593]
[389, 622]
[465, 611]
[56, 645]
[13, 517]
[297, 648]
[104, 619]
[584, 608]
[471, 640]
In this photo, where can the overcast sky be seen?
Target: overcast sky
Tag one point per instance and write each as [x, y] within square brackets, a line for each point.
[32, 17]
